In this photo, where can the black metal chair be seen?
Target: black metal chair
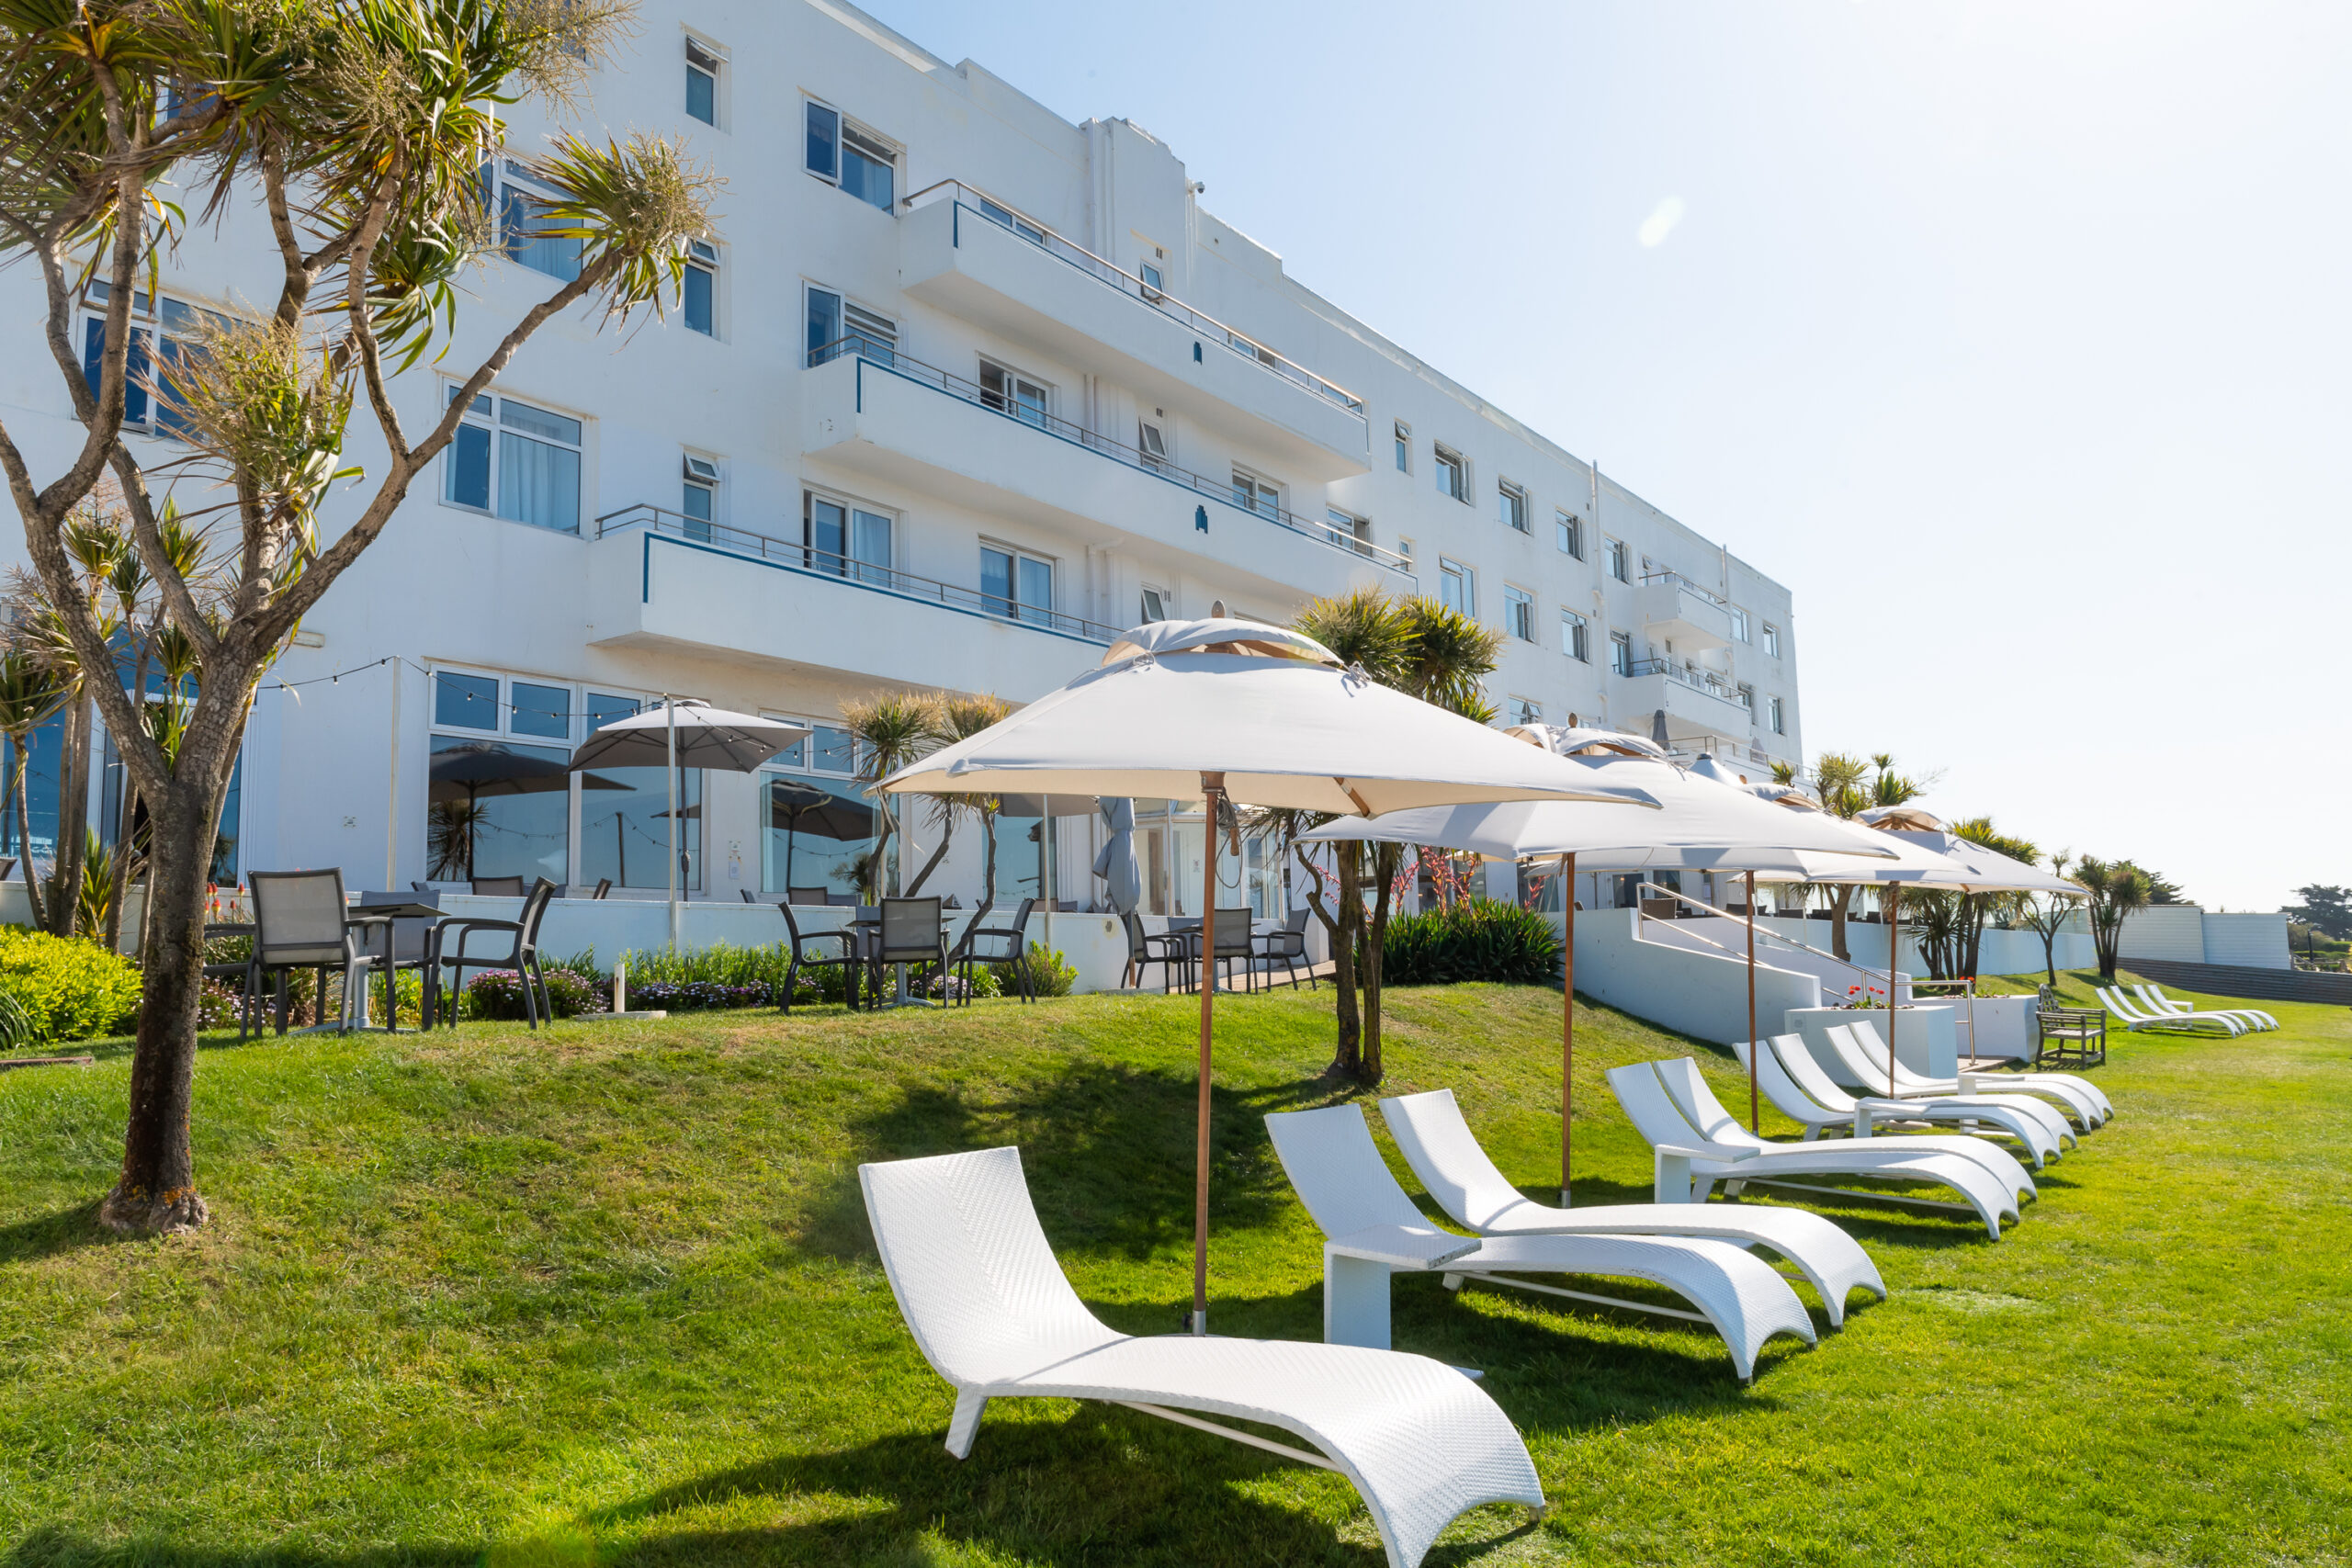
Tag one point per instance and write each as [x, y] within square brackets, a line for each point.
[847, 960]
[908, 932]
[521, 954]
[808, 898]
[1008, 944]
[498, 886]
[1235, 940]
[604, 886]
[299, 922]
[1167, 950]
[1287, 947]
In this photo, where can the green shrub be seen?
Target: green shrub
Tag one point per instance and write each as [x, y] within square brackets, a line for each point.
[69, 988]
[1478, 938]
[1049, 973]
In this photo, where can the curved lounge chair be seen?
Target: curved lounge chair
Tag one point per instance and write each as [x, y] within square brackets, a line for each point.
[2253, 1018]
[2134, 1019]
[994, 1314]
[1688, 1161]
[1439, 1145]
[1808, 1096]
[1869, 1067]
[2081, 1097]
[1370, 1229]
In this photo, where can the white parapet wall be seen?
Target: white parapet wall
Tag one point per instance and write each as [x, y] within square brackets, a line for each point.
[1677, 984]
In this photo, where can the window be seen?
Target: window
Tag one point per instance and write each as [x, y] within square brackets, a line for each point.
[847, 539]
[702, 83]
[700, 285]
[1009, 392]
[1772, 639]
[1739, 625]
[1153, 444]
[818, 821]
[1573, 633]
[1452, 475]
[515, 460]
[1016, 584]
[1511, 506]
[1457, 586]
[1404, 447]
[1613, 558]
[700, 497]
[1253, 494]
[1152, 291]
[1405, 548]
[1773, 706]
[1518, 612]
[997, 213]
[1523, 710]
[1348, 530]
[523, 203]
[1747, 699]
[1621, 653]
[1154, 605]
[856, 160]
[837, 326]
[146, 369]
[1568, 532]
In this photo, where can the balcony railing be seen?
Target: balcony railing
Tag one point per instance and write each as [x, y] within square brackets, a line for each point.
[886, 356]
[1709, 595]
[878, 576]
[1697, 680]
[1020, 224]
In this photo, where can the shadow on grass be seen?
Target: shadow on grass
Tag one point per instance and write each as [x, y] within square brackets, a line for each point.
[47, 1548]
[53, 1234]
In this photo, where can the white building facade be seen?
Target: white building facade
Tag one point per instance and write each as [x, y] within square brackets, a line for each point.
[962, 391]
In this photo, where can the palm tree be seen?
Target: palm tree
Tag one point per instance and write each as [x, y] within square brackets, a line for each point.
[1837, 778]
[29, 691]
[892, 729]
[959, 717]
[2116, 888]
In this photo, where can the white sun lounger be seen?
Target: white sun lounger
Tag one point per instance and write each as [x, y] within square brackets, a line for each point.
[1809, 1096]
[994, 1314]
[1870, 1067]
[1372, 1229]
[2078, 1095]
[1437, 1144]
[2136, 1019]
[1689, 1164]
[2158, 1002]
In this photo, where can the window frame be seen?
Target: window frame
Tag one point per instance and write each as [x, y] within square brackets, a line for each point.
[1522, 710]
[850, 565]
[703, 259]
[1575, 635]
[1465, 583]
[1518, 612]
[1017, 555]
[1771, 640]
[1621, 653]
[512, 183]
[1008, 397]
[1510, 499]
[1567, 533]
[1166, 601]
[1261, 488]
[1404, 447]
[1779, 716]
[1745, 695]
[1152, 443]
[712, 65]
[1741, 631]
[495, 424]
[1445, 458]
[1348, 530]
[153, 345]
[1616, 559]
[877, 149]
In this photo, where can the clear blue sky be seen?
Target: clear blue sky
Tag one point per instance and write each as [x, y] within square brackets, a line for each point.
[2012, 337]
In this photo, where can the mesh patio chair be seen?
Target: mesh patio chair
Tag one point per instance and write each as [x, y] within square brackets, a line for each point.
[1167, 950]
[846, 960]
[995, 944]
[1235, 940]
[520, 952]
[497, 886]
[809, 897]
[299, 922]
[1287, 947]
[908, 932]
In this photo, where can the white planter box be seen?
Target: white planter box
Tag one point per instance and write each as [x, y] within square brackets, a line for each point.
[1923, 1039]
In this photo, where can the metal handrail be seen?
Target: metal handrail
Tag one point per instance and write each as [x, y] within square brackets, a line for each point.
[848, 568]
[885, 355]
[1704, 681]
[1008, 217]
[1765, 931]
[1675, 577]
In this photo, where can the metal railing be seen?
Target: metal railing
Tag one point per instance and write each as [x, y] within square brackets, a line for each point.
[880, 577]
[1684, 582]
[886, 356]
[1019, 223]
[1698, 680]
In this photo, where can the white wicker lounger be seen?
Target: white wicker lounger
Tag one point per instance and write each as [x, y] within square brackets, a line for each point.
[1439, 1145]
[1688, 1164]
[1869, 1069]
[994, 1314]
[2134, 1019]
[1372, 1229]
[2160, 1004]
[1807, 1095]
[2076, 1095]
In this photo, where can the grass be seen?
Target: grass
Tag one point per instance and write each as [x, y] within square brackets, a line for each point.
[604, 1294]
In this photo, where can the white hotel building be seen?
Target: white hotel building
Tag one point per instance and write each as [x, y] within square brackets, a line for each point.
[962, 391]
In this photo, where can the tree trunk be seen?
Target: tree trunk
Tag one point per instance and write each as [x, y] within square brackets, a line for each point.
[946, 836]
[119, 871]
[72, 815]
[2050, 952]
[1839, 897]
[1387, 859]
[157, 1191]
[1348, 1054]
[25, 840]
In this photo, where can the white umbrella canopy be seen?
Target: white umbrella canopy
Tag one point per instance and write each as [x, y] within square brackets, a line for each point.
[1996, 871]
[1223, 709]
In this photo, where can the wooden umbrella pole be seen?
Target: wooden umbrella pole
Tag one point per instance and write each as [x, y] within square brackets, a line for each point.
[1893, 947]
[1567, 1007]
[1755, 1111]
[1213, 795]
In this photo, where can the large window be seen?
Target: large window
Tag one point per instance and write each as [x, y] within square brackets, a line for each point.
[1621, 653]
[1573, 634]
[1457, 586]
[850, 156]
[1518, 612]
[699, 497]
[1009, 392]
[1739, 625]
[515, 460]
[1568, 532]
[1452, 475]
[1015, 583]
[847, 539]
[1523, 710]
[1747, 698]
[1349, 529]
[524, 223]
[702, 83]
[817, 823]
[163, 333]
[1511, 506]
[1613, 557]
[1254, 494]
[838, 326]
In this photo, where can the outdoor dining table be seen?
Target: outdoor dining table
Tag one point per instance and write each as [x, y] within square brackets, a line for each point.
[378, 911]
[866, 933]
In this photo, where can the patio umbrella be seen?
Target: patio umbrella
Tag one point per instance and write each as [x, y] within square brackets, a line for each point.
[683, 733]
[1700, 826]
[1116, 864]
[1657, 730]
[477, 768]
[1222, 711]
[799, 809]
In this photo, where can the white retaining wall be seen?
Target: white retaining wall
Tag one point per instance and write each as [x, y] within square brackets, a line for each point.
[1678, 985]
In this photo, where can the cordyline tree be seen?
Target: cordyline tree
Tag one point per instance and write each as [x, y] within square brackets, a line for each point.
[350, 135]
[1847, 787]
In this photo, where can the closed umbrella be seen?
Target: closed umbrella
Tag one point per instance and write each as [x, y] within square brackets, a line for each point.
[1116, 864]
[1226, 711]
[1657, 730]
[683, 733]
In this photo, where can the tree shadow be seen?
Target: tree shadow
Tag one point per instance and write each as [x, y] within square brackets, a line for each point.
[55, 1234]
[51, 1548]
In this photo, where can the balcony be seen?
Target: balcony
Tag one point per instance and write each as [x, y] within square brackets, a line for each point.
[870, 409]
[1673, 608]
[1697, 703]
[659, 580]
[984, 262]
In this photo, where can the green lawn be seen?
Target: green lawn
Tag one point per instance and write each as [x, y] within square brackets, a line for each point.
[604, 1295]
